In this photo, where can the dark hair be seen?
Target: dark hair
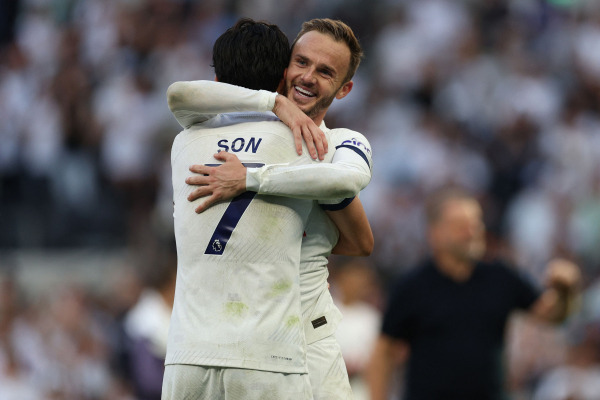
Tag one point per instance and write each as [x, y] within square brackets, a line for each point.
[251, 54]
[340, 32]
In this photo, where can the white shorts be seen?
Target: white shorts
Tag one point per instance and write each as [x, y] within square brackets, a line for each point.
[194, 382]
[327, 370]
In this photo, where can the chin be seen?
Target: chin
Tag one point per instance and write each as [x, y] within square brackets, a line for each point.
[305, 107]
[477, 254]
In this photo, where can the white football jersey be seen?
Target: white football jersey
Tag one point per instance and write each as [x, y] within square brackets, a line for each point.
[349, 160]
[237, 292]
[320, 315]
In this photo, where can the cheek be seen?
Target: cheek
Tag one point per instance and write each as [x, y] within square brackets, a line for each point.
[290, 75]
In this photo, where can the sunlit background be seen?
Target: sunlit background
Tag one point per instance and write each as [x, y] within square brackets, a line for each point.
[502, 97]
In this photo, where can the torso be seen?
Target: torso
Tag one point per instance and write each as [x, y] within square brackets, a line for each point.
[237, 292]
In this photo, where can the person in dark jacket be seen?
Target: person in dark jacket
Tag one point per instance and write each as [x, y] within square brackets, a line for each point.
[449, 314]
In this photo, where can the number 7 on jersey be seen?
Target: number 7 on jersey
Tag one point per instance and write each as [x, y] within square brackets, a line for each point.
[230, 218]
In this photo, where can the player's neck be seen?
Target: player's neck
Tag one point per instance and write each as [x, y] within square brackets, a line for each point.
[318, 119]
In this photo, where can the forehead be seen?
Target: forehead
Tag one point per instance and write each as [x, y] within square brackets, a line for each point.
[461, 209]
[323, 49]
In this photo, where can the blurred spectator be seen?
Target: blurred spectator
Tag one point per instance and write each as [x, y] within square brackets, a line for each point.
[14, 377]
[74, 344]
[354, 290]
[146, 327]
[532, 348]
[451, 312]
[579, 377]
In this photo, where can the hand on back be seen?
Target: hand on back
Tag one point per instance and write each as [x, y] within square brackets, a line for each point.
[220, 183]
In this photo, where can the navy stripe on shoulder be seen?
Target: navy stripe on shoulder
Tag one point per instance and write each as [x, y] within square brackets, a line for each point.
[338, 206]
[357, 151]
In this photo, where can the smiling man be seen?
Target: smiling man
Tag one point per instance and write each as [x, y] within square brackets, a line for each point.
[319, 71]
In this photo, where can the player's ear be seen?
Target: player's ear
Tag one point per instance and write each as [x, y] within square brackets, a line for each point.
[281, 87]
[216, 79]
[344, 90]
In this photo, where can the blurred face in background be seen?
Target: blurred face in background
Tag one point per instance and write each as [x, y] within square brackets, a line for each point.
[459, 232]
[316, 73]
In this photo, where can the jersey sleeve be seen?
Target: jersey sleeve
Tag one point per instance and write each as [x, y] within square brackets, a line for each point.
[333, 184]
[192, 102]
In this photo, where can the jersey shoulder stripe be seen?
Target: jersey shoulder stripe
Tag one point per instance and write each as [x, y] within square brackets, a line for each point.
[357, 151]
[346, 138]
[339, 206]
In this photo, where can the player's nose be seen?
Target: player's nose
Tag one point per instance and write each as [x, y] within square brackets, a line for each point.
[309, 76]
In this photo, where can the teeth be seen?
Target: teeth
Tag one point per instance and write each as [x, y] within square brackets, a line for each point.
[304, 92]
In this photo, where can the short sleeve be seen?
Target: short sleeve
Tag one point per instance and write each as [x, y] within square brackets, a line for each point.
[524, 290]
[354, 141]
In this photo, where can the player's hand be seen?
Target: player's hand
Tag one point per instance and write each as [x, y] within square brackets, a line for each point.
[218, 183]
[562, 274]
[302, 127]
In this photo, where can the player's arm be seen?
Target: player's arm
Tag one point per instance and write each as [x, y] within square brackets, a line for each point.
[348, 173]
[356, 237]
[561, 297]
[192, 102]
[228, 180]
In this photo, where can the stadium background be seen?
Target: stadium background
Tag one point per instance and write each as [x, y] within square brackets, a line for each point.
[502, 97]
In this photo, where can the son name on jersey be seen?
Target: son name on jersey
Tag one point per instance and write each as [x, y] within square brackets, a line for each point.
[239, 144]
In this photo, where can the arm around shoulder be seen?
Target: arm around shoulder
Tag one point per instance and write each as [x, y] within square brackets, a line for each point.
[348, 173]
[175, 95]
[196, 101]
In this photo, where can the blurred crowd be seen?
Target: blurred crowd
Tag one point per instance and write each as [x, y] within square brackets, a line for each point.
[499, 96]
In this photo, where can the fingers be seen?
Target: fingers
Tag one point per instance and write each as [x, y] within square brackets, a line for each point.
[206, 204]
[320, 143]
[323, 140]
[199, 192]
[316, 140]
[225, 156]
[310, 145]
[197, 180]
[200, 169]
[297, 140]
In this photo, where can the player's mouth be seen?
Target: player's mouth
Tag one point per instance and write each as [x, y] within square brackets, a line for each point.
[303, 92]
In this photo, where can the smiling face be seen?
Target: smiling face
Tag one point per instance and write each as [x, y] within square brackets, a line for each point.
[316, 73]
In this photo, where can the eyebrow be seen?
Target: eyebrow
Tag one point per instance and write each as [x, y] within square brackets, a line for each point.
[320, 67]
[326, 68]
